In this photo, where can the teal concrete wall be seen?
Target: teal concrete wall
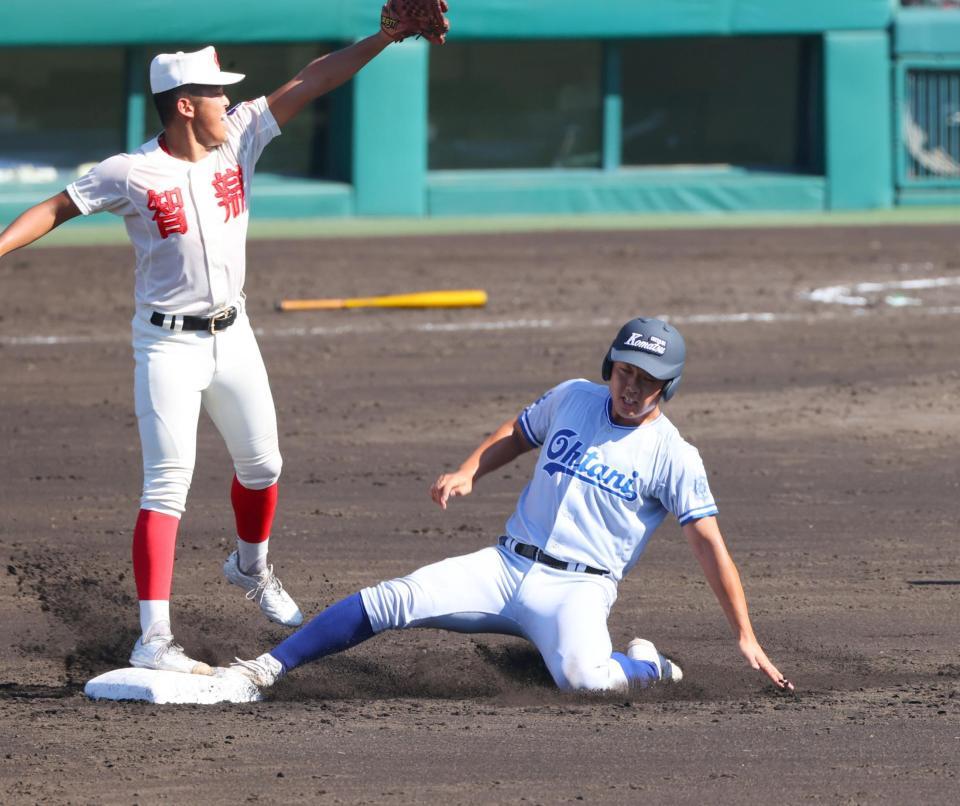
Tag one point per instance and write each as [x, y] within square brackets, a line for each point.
[379, 120]
[630, 18]
[143, 21]
[68, 22]
[927, 31]
[859, 137]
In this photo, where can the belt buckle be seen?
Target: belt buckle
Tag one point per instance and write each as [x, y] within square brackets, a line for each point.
[217, 317]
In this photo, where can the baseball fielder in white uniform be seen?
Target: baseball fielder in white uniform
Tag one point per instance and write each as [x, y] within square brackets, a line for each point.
[184, 199]
[611, 467]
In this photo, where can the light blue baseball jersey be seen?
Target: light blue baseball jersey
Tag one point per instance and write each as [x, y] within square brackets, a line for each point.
[600, 489]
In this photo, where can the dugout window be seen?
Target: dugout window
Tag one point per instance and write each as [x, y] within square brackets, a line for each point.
[60, 108]
[308, 146]
[531, 104]
[754, 102]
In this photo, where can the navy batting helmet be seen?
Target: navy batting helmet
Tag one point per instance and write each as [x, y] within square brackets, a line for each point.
[654, 346]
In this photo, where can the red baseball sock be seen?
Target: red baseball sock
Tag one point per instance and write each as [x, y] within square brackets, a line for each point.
[254, 511]
[154, 544]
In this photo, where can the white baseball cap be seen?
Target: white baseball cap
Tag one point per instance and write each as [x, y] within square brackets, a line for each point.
[171, 70]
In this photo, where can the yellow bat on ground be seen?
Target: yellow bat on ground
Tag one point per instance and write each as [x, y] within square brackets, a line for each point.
[459, 298]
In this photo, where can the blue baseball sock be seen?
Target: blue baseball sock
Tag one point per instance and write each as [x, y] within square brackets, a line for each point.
[339, 627]
[640, 673]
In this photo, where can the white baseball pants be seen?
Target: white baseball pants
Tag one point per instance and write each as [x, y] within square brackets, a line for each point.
[177, 373]
[562, 613]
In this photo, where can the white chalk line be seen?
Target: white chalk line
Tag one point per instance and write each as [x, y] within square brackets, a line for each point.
[853, 294]
[351, 329]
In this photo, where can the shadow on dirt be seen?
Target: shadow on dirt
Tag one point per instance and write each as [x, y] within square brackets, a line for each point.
[513, 674]
[87, 599]
[15, 691]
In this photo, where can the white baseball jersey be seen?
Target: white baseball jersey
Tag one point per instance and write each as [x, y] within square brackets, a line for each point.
[187, 221]
[599, 489]
[598, 492]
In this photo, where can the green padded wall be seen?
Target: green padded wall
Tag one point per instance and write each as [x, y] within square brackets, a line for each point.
[695, 190]
[390, 132]
[859, 137]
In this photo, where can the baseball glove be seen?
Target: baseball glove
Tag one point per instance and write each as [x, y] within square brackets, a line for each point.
[402, 18]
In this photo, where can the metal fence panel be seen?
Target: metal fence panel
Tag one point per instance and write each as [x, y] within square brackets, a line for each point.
[929, 130]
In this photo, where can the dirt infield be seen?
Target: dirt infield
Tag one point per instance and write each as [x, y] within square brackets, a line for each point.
[830, 430]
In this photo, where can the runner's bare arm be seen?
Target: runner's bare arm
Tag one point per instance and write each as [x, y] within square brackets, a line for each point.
[323, 75]
[37, 222]
[501, 447]
[709, 548]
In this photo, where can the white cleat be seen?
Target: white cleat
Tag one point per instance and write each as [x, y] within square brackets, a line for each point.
[266, 590]
[262, 671]
[642, 649]
[159, 652]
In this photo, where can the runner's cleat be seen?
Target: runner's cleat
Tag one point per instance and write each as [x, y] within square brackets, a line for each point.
[642, 649]
[262, 671]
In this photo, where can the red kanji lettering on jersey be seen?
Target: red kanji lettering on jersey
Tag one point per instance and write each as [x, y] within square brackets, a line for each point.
[168, 211]
[229, 189]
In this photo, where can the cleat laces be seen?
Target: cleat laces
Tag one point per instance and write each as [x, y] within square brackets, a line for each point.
[267, 583]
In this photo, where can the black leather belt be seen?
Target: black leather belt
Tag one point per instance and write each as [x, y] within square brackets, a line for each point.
[221, 320]
[540, 556]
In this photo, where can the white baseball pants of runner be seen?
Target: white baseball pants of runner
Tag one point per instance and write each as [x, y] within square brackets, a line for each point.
[177, 373]
[562, 613]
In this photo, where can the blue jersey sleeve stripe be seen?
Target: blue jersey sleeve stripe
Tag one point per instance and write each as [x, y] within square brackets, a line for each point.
[696, 514]
[704, 507]
[700, 512]
[525, 427]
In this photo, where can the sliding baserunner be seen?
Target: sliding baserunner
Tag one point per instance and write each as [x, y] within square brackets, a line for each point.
[611, 467]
